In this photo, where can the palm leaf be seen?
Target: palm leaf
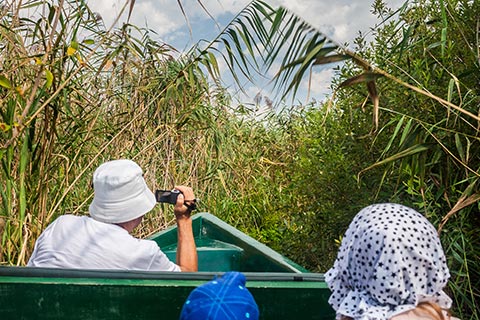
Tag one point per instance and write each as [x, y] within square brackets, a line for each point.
[261, 37]
[361, 78]
[331, 59]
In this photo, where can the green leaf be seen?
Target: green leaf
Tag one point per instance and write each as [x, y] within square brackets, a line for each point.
[4, 82]
[4, 127]
[49, 77]
[74, 45]
[434, 45]
[458, 143]
[444, 40]
[402, 154]
[406, 132]
[394, 135]
[451, 83]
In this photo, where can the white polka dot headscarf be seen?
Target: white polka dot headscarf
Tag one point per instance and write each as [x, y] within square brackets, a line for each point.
[390, 260]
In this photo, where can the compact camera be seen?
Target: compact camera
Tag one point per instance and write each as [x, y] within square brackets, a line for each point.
[167, 196]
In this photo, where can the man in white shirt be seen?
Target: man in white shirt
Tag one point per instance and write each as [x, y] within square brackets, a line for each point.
[103, 240]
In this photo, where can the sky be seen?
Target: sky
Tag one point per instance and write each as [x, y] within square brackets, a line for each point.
[341, 20]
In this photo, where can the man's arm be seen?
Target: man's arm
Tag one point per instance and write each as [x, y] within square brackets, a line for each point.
[187, 257]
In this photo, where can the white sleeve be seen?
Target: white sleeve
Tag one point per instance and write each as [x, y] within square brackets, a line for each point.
[160, 262]
[40, 243]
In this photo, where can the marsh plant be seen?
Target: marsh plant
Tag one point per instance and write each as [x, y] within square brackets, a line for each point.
[402, 126]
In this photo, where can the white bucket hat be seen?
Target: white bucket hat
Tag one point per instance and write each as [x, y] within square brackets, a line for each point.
[121, 193]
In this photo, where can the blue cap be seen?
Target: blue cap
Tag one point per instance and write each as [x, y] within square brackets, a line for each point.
[224, 297]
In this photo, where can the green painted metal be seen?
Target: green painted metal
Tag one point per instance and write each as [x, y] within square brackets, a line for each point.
[282, 289]
[222, 247]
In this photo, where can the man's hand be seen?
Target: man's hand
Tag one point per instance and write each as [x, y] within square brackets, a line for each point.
[184, 201]
[187, 257]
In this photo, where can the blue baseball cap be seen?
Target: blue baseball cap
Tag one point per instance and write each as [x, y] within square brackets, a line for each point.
[223, 298]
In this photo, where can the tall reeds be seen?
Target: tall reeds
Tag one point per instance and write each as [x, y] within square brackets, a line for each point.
[74, 94]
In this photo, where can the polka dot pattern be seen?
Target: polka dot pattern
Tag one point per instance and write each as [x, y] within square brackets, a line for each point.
[390, 260]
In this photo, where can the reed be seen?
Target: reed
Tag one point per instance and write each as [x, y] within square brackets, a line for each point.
[75, 94]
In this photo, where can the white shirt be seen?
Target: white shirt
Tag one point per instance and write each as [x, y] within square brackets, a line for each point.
[80, 242]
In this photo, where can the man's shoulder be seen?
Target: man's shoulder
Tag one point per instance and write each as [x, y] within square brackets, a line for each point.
[70, 218]
[68, 221]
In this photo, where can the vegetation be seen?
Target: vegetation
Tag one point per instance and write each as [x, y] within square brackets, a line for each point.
[420, 148]
[74, 95]
[403, 126]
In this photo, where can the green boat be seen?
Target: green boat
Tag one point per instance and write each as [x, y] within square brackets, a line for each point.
[282, 288]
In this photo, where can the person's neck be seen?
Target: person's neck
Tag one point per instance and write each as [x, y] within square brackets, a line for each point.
[130, 225]
[125, 226]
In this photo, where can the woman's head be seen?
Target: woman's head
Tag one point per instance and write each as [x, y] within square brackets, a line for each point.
[390, 260]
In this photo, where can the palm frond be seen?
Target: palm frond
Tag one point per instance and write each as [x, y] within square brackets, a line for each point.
[261, 37]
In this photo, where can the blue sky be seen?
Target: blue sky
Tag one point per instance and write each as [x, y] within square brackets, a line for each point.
[340, 19]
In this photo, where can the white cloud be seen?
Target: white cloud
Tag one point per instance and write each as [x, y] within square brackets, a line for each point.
[108, 10]
[214, 7]
[319, 85]
[340, 19]
[162, 16]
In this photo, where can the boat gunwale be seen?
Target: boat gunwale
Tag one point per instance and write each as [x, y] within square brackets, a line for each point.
[36, 272]
[206, 218]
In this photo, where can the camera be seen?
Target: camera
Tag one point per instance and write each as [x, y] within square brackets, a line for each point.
[167, 196]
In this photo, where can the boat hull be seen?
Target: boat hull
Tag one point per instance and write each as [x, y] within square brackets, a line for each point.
[281, 288]
[79, 294]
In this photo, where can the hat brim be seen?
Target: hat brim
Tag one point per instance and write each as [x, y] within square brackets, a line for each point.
[119, 212]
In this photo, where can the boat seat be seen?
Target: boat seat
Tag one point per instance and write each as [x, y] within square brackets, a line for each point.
[213, 255]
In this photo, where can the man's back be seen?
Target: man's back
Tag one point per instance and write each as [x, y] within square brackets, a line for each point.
[83, 243]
